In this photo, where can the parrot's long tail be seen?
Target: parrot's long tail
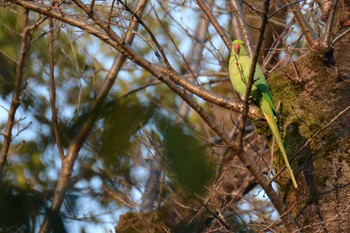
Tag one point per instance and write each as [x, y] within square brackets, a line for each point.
[268, 113]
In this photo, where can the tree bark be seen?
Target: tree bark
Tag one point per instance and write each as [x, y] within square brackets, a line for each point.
[316, 118]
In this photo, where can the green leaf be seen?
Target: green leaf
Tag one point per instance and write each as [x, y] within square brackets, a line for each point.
[188, 159]
[122, 122]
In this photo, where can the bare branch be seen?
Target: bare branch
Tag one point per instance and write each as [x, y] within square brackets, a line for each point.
[309, 34]
[160, 72]
[283, 7]
[329, 25]
[152, 187]
[215, 23]
[245, 158]
[243, 25]
[15, 102]
[92, 7]
[77, 142]
[168, 77]
[110, 13]
[277, 202]
[341, 35]
[140, 21]
[195, 58]
[251, 76]
[53, 91]
[272, 52]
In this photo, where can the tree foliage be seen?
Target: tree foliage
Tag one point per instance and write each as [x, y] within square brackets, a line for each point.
[119, 115]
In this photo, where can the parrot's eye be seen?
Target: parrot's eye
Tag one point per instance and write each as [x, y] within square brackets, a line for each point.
[237, 47]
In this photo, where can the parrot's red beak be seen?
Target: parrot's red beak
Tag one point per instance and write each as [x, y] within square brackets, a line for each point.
[237, 47]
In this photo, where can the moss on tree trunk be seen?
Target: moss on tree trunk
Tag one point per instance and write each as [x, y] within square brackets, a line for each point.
[322, 167]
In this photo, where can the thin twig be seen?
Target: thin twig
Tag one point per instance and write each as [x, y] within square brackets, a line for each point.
[20, 130]
[329, 221]
[309, 34]
[329, 25]
[283, 7]
[307, 143]
[289, 54]
[215, 23]
[215, 215]
[319, 131]
[110, 13]
[243, 25]
[341, 35]
[53, 90]
[8, 56]
[267, 228]
[252, 8]
[251, 76]
[112, 194]
[152, 186]
[149, 31]
[273, 50]
[187, 65]
[195, 57]
[138, 89]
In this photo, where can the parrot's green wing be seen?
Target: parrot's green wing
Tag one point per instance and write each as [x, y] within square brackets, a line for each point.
[239, 66]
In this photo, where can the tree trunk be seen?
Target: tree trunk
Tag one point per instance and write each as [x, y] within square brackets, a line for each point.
[316, 118]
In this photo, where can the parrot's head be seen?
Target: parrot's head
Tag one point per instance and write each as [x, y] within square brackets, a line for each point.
[239, 48]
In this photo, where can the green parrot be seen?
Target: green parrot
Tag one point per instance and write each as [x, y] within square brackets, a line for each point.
[239, 67]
